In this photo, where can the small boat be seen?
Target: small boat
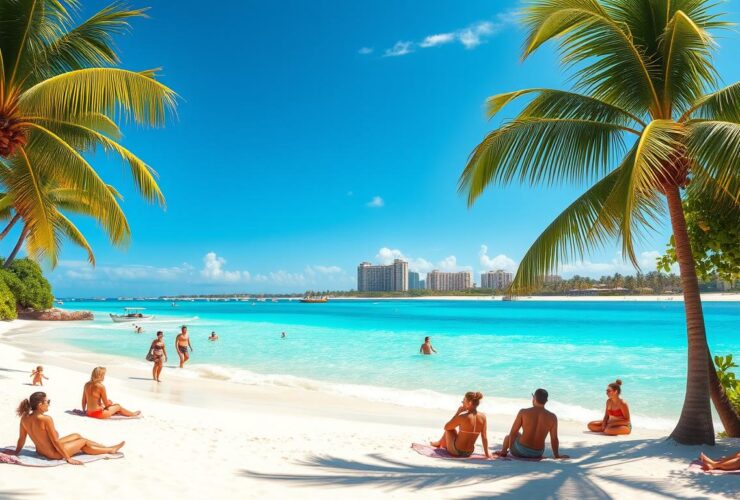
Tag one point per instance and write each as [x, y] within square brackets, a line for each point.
[130, 314]
[60, 303]
[314, 300]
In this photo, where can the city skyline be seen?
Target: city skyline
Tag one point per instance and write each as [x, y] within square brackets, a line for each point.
[341, 145]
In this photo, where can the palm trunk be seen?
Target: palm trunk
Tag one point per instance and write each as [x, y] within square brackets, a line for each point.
[17, 247]
[695, 424]
[10, 226]
[727, 414]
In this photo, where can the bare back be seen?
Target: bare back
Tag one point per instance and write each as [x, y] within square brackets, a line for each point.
[537, 423]
[471, 426]
[40, 429]
[94, 396]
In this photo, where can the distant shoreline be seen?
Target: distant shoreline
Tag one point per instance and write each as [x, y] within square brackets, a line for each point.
[706, 297]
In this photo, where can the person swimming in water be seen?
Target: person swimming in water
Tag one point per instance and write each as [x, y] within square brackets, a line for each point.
[426, 347]
[616, 419]
[213, 337]
[471, 424]
[40, 428]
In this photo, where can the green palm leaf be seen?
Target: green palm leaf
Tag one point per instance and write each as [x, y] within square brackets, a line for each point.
[723, 105]
[70, 231]
[714, 149]
[109, 91]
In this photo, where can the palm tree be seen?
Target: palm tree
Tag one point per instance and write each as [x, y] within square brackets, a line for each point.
[644, 100]
[60, 98]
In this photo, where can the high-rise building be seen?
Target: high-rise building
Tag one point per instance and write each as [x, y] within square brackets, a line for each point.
[393, 277]
[414, 281]
[437, 280]
[422, 284]
[496, 280]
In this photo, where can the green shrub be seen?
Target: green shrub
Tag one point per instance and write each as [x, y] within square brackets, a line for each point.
[25, 280]
[727, 379]
[7, 302]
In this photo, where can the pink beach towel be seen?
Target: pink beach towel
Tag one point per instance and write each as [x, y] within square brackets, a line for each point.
[696, 467]
[432, 452]
[29, 458]
[80, 413]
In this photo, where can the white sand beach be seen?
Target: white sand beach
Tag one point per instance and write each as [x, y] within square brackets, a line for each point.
[203, 437]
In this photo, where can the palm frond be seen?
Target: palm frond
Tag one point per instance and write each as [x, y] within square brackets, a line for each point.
[80, 136]
[109, 91]
[723, 105]
[70, 231]
[541, 150]
[612, 67]
[687, 62]
[714, 150]
[550, 103]
[90, 44]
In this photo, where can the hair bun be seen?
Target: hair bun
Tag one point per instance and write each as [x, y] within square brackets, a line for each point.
[478, 396]
[618, 382]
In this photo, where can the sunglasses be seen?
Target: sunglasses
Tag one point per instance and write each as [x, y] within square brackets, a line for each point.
[48, 402]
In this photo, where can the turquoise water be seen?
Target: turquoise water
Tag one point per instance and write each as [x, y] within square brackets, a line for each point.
[370, 349]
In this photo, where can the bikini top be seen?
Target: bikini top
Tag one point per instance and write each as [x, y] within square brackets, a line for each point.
[475, 423]
[615, 413]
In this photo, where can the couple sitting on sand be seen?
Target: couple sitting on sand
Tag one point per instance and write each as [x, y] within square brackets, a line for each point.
[535, 422]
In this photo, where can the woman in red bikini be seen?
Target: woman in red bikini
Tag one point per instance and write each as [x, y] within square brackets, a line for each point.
[617, 417]
[471, 423]
[95, 400]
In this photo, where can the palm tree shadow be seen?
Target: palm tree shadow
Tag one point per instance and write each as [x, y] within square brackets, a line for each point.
[558, 479]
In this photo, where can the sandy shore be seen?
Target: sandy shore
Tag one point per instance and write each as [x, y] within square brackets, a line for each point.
[705, 297]
[202, 437]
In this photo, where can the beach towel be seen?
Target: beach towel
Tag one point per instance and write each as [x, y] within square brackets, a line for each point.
[80, 413]
[29, 458]
[696, 467]
[432, 452]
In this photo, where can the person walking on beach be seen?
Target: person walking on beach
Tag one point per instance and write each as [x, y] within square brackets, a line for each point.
[158, 354]
[40, 428]
[471, 424]
[38, 376]
[182, 343]
[616, 420]
[536, 423]
[426, 347]
[95, 400]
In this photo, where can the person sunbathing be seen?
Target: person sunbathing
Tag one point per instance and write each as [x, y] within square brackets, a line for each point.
[536, 423]
[471, 424]
[730, 462]
[40, 428]
[95, 400]
[616, 420]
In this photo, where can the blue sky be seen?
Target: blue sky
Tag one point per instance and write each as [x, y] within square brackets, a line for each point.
[312, 136]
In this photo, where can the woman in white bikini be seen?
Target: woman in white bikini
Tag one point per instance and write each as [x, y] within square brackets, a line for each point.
[471, 424]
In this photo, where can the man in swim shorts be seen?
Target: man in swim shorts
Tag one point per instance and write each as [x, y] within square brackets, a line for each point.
[536, 423]
[182, 343]
[426, 347]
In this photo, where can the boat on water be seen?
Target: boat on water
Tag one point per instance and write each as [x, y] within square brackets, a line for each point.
[131, 314]
[59, 303]
[314, 300]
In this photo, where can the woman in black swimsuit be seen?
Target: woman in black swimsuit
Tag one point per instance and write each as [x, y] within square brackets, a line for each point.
[158, 354]
[471, 424]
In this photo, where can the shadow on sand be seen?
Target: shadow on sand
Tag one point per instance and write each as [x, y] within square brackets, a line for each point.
[584, 476]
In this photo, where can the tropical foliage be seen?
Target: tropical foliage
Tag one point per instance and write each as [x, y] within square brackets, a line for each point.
[714, 232]
[26, 288]
[60, 99]
[644, 121]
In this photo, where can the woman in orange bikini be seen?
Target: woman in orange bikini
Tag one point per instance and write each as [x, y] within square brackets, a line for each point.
[471, 423]
[95, 400]
[616, 420]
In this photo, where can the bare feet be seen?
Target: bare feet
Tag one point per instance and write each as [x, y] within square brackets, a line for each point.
[118, 446]
[137, 413]
[434, 443]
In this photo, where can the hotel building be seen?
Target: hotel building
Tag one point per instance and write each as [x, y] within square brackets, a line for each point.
[414, 283]
[496, 280]
[437, 280]
[390, 278]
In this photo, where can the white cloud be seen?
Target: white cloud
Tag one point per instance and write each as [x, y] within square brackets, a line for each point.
[83, 271]
[646, 260]
[500, 261]
[440, 39]
[365, 51]
[386, 256]
[323, 270]
[469, 37]
[400, 48]
[449, 264]
[376, 202]
[213, 270]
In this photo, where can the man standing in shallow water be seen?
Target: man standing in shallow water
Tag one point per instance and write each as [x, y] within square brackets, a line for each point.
[536, 423]
[182, 343]
[426, 347]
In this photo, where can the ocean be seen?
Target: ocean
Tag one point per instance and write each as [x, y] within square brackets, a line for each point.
[370, 349]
